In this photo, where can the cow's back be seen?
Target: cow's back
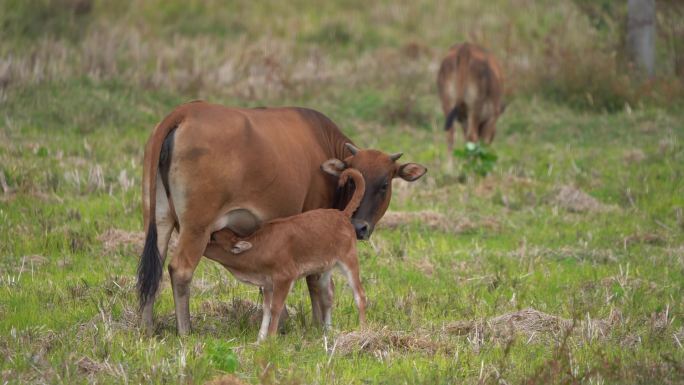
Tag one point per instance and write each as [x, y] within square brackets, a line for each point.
[469, 74]
[265, 161]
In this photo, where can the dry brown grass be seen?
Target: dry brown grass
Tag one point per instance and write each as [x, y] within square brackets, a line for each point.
[532, 324]
[430, 219]
[235, 311]
[114, 239]
[383, 342]
[90, 367]
[575, 200]
[35, 259]
[644, 238]
[634, 155]
[226, 379]
[241, 311]
[118, 240]
[435, 221]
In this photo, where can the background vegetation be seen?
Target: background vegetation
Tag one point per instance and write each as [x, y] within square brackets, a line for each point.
[581, 219]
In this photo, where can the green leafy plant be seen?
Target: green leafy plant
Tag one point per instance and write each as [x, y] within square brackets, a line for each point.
[222, 356]
[476, 158]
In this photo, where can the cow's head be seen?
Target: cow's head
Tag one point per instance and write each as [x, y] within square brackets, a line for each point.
[378, 170]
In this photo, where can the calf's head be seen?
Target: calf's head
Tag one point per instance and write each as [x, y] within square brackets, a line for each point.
[378, 170]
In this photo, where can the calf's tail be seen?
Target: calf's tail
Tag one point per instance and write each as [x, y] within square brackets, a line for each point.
[359, 189]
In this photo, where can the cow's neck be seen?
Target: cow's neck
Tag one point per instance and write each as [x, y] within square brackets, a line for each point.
[333, 144]
[336, 144]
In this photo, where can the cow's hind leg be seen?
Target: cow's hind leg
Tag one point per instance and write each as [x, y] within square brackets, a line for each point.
[488, 130]
[191, 245]
[472, 127]
[164, 230]
[165, 224]
[450, 141]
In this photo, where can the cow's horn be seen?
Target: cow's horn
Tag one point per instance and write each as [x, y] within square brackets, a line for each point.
[396, 156]
[353, 149]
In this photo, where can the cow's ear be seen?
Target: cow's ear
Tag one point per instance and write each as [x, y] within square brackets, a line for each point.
[411, 171]
[333, 166]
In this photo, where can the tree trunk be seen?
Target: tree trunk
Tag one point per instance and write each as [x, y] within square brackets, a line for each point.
[641, 34]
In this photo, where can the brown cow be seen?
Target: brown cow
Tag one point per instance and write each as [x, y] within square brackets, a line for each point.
[207, 167]
[286, 249]
[470, 86]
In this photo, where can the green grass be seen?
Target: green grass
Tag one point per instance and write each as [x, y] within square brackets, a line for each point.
[71, 144]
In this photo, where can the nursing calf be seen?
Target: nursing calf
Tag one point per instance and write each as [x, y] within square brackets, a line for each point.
[286, 249]
[470, 85]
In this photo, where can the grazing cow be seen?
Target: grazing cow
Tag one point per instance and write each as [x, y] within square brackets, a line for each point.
[286, 249]
[470, 86]
[207, 167]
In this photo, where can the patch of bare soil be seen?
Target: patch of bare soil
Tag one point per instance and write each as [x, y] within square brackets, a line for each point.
[576, 200]
[434, 221]
[226, 379]
[380, 343]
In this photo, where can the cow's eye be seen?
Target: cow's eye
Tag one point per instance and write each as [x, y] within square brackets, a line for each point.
[384, 187]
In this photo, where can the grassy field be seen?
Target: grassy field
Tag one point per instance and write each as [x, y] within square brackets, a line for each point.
[564, 265]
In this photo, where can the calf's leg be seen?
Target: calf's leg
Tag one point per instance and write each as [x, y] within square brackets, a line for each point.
[266, 310]
[350, 267]
[327, 289]
[315, 295]
[281, 289]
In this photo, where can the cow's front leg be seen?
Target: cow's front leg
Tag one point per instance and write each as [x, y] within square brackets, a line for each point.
[191, 245]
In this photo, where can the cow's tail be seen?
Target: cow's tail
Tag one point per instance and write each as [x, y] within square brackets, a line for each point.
[359, 189]
[451, 117]
[150, 265]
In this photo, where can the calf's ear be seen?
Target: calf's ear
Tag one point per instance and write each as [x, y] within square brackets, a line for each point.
[240, 246]
[333, 167]
[411, 171]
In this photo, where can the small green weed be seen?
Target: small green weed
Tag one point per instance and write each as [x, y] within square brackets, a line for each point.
[477, 158]
[222, 356]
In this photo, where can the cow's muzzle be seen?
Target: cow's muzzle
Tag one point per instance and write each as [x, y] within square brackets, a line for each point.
[363, 230]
